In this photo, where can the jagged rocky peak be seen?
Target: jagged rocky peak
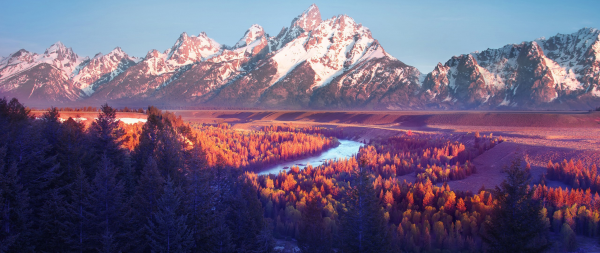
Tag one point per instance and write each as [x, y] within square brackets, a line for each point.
[153, 54]
[101, 69]
[331, 48]
[255, 32]
[436, 81]
[190, 49]
[56, 48]
[309, 19]
[61, 51]
[118, 52]
[16, 57]
[534, 50]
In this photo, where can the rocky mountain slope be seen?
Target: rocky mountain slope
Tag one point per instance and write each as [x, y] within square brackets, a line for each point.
[561, 72]
[312, 64]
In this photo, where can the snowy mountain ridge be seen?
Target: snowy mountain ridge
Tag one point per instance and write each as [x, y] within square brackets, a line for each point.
[556, 71]
[313, 63]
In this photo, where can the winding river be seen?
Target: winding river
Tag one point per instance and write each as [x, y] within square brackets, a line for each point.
[346, 149]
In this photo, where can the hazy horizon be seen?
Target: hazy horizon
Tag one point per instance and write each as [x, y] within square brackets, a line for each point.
[419, 34]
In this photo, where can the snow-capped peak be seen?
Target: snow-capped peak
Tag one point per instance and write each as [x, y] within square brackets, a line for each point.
[331, 48]
[98, 55]
[100, 69]
[252, 34]
[189, 49]
[154, 54]
[309, 19]
[57, 55]
[55, 48]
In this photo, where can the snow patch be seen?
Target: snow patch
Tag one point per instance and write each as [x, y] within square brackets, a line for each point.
[132, 120]
[595, 92]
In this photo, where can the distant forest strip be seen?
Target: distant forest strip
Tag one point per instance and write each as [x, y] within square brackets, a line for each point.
[169, 186]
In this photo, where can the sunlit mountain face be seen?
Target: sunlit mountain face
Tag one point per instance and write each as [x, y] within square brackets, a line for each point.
[313, 64]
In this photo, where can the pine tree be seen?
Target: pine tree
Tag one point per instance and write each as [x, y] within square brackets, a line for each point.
[54, 223]
[81, 217]
[30, 154]
[51, 129]
[265, 240]
[145, 202]
[107, 136]
[200, 203]
[246, 217]
[168, 228]
[517, 224]
[71, 152]
[162, 141]
[363, 225]
[15, 213]
[313, 236]
[109, 208]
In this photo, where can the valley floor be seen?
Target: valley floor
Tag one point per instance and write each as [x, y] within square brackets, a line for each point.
[538, 136]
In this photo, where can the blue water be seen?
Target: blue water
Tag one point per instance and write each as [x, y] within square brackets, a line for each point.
[346, 149]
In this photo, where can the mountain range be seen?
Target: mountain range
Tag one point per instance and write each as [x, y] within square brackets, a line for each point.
[312, 64]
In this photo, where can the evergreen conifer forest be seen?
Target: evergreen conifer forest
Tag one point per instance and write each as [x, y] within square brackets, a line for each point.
[168, 185]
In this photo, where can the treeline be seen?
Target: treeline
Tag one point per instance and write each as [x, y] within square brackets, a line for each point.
[429, 156]
[570, 212]
[417, 216]
[255, 150]
[321, 204]
[68, 188]
[313, 130]
[574, 174]
[93, 109]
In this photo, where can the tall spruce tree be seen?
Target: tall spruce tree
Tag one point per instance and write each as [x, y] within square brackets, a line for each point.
[29, 153]
[109, 208]
[168, 230]
[15, 213]
[362, 223]
[71, 151]
[55, 224]
[144, 203]
[200, 202]
[516, 224]
[313, 236]
[107, 137]
[163, 142]
[80, 209]
[246, 217]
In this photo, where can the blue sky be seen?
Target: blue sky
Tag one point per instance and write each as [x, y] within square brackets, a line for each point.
[419, 33]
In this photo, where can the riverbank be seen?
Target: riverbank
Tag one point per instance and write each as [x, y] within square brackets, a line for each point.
[346, 149]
